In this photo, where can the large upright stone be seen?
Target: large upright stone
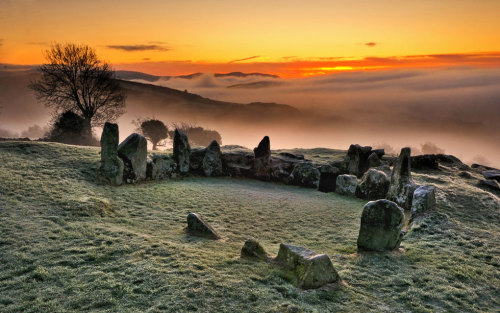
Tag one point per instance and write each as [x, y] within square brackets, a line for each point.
[311, 270]
[262, 161]
[305, 174]
[133, 152]
[401, 188]
[357, 159]
[381, 224]
[182, 151]
[374, 185]
[346, 185]
[328, 178]
[111, 169]
[212, 162]
[424, 199]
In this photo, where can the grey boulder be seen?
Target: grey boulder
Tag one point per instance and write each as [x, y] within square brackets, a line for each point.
[133, 151]
[381, 224]
[402, 187]
[424, 199]
[305, 174]
[311, 270]
[374, 185]
[161, 167]
[346, 185]
[253, 249]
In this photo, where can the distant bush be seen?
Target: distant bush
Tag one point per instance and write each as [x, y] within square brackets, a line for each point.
[70, 128]
[198, 136]
[35, 131]
[154, 130]
[431, 148]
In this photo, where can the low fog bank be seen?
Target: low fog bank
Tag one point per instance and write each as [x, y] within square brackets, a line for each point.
[457, 109]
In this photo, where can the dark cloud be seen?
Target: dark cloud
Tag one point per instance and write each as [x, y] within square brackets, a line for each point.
[1, 42]
[135, 48]
[245, 59]
[370, 44]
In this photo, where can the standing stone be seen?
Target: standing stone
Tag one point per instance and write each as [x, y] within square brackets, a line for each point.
[133, 152]
[374, 185]
[401, 188]
[374, 160]
[182, 151]
[381, 224]
[347, 185]
[328, 178]
[357, 159]
[305, 174]
[262, 161]
[199, 227]
[311, 270]
[424, 199]
[111, 169]
[212, 162]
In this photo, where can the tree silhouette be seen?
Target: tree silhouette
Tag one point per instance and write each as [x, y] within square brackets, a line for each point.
[74, 79]
[154, 130]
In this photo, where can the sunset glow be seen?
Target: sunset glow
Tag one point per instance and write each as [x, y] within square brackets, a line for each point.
[182, 37]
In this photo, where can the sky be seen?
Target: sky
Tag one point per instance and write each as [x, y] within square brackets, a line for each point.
[288, 38]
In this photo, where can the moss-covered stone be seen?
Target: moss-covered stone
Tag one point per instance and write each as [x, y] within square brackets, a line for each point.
[381, 224]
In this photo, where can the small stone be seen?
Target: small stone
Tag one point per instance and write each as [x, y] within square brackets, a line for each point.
[262, 160]
[253, 249]
[312, 270]
[374, 160]
[347, 185]
[381, 224]
[490, 184]
[464, 174]
[424, 199]
[198, 226]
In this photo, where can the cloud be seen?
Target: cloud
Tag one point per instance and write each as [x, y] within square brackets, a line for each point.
[244, 59]
[1, 42]
[37, 43]
[146, 59]
[370, 44]
[135, 48]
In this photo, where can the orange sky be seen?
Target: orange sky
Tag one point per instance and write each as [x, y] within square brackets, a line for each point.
[289, 38]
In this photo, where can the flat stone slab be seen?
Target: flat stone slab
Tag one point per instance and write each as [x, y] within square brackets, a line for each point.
[312, 270]
[199, 227]
[492, 174]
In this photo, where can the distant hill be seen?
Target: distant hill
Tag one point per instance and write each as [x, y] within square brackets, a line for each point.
[133, 75]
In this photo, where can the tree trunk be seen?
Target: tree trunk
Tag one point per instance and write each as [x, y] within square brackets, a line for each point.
[87, 132]
[154, 145]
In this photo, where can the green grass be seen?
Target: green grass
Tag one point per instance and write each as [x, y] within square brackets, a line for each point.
[68, 244]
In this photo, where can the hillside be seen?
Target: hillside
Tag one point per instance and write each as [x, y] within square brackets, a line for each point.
[69, 244]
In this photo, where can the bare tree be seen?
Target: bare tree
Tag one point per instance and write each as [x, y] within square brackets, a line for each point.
[74, 79]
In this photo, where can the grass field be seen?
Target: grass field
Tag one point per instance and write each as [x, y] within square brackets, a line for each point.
[68, 244]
